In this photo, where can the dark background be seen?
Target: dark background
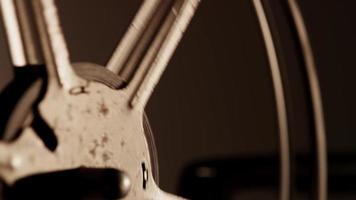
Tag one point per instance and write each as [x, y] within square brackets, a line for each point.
[215, 99]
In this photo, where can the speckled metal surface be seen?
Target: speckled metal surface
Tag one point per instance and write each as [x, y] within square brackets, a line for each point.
[95, 124]
[94, 129]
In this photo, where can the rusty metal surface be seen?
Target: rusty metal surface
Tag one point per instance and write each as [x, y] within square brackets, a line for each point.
[97, 125]
[94, 129]
[97, 73]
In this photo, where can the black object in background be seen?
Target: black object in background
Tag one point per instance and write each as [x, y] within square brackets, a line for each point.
[80, 183]
[255, 177]
[231, 179]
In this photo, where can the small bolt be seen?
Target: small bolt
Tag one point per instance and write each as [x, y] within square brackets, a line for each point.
[125, 184]
[15, 162]
[78, 90]
[10, 162]
[144, 175]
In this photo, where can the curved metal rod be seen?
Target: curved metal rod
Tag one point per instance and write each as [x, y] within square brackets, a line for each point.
[280, 102]
[321, 146]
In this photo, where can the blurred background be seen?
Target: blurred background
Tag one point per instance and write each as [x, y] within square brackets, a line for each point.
[215, 104]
